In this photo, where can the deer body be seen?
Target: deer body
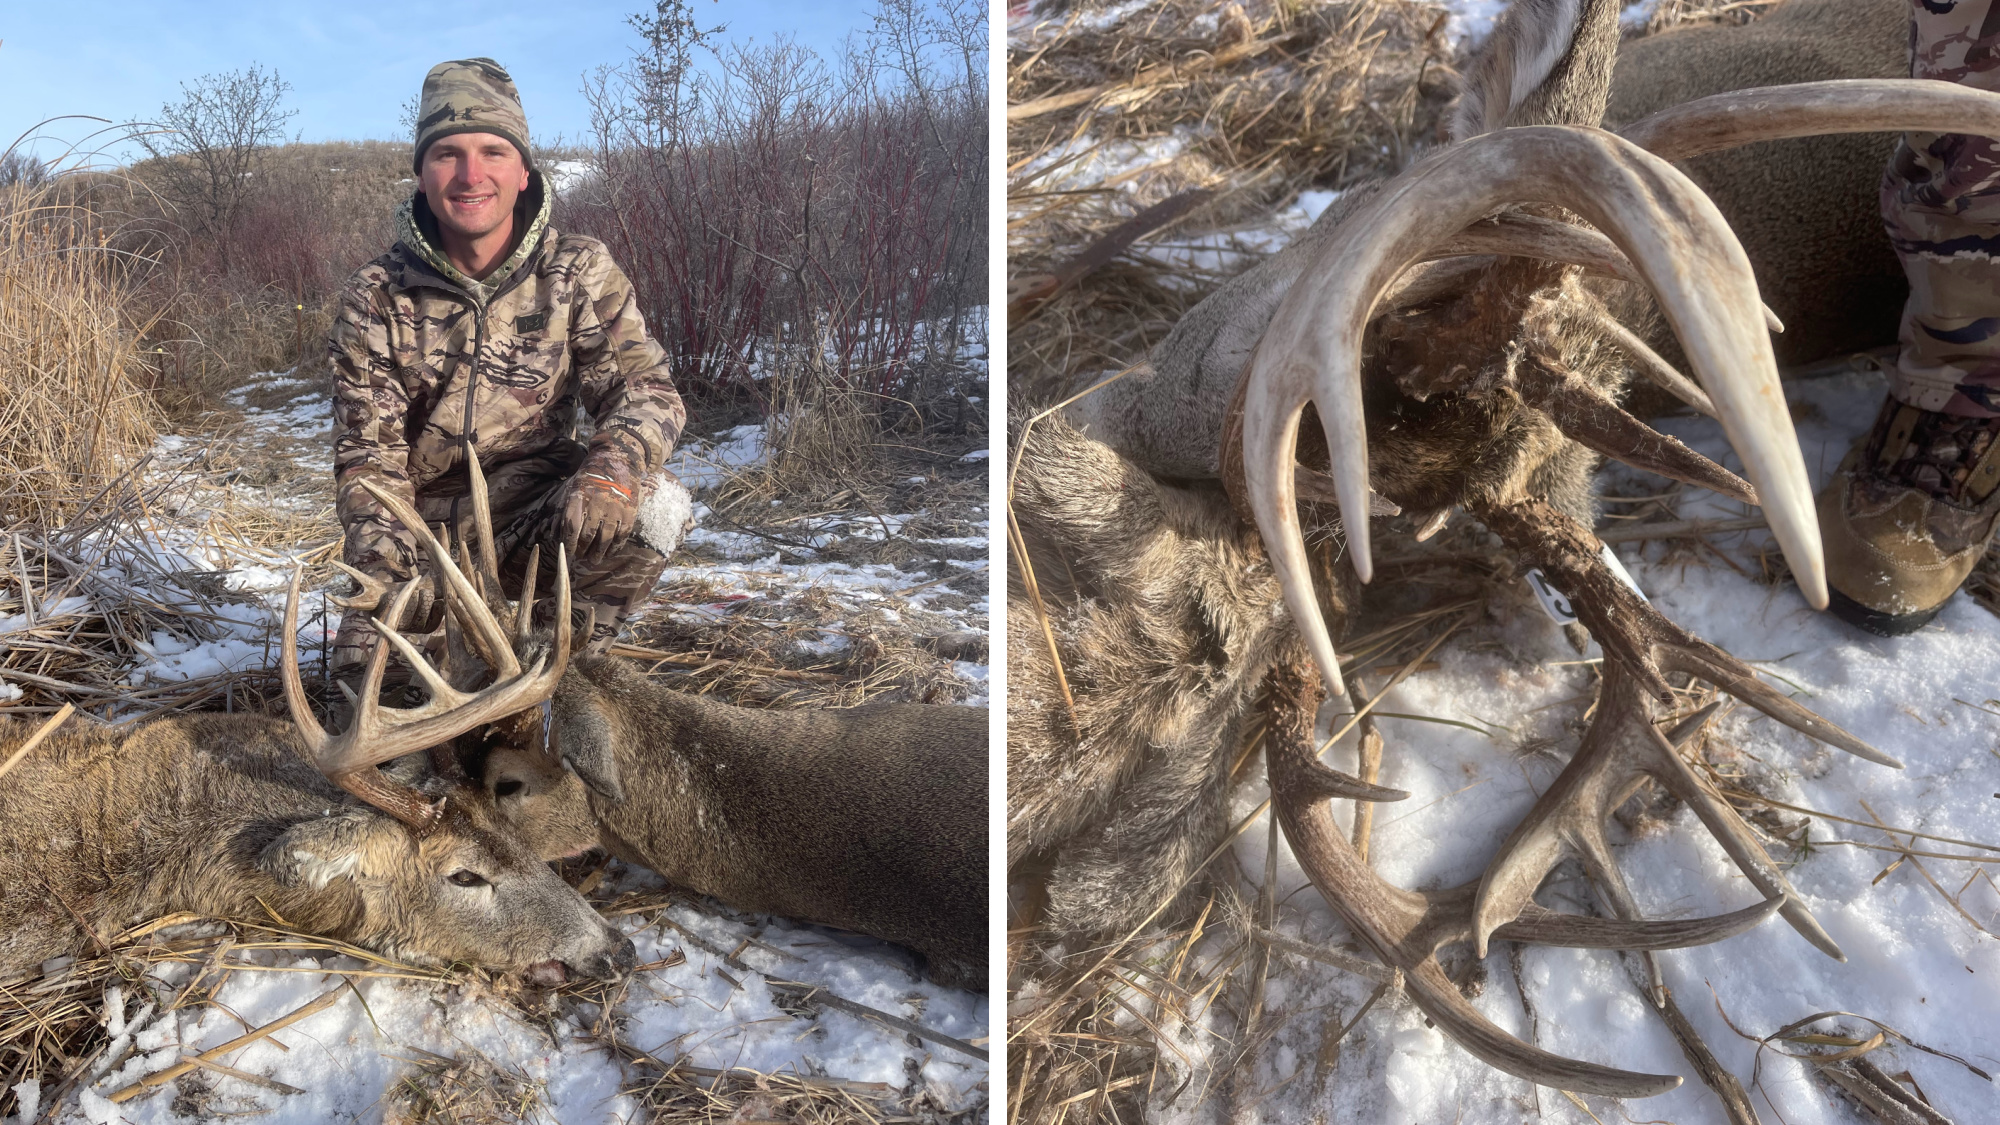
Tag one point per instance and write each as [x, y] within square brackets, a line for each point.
[1804, 208]
[220, 815]
[868, 818]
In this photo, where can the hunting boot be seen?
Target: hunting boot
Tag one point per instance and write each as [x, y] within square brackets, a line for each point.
[1907, 516]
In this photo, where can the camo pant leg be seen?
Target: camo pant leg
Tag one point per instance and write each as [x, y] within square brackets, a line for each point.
[526, 501]
[527, 512]
[1941, 204]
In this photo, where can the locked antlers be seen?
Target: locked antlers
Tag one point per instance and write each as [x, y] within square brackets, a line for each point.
[1657, 228]
[1678, 244]
[377, 734]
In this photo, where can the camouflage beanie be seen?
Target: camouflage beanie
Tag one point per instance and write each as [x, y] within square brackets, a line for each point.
[470, 96]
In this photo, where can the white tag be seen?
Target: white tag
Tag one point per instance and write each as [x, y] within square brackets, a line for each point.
[1556, 604]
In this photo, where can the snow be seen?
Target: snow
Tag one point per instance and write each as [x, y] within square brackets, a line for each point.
[563, 175]
[350, 1059]
[702, 463]
[1913, 961]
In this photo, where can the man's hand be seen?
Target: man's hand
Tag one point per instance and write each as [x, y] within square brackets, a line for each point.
[602, 505]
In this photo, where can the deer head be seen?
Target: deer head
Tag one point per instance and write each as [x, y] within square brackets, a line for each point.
[443, 876]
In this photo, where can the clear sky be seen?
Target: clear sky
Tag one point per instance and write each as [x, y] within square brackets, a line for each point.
[351, 65]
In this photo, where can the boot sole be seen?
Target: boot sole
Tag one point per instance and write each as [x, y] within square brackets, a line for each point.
[1874, 620]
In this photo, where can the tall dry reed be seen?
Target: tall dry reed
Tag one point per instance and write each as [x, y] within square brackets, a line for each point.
[75, 410]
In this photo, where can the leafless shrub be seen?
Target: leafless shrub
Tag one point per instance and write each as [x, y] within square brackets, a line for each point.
[783, 196]
[211, 148]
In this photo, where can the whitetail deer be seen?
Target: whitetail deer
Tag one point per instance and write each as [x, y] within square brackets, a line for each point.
[1441, 322]
[868, 818]
[256, 818]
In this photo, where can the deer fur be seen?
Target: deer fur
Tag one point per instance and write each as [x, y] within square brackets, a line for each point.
[868, 818]
[1167, 614]
[1806, 209]
[1162, 603]
[220, 815]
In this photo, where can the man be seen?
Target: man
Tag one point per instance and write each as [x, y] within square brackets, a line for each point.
[1912, 509]
[485, 329]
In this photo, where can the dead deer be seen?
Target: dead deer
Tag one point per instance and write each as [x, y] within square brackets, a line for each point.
[1441, 322]
[269, 820]
[869, 818]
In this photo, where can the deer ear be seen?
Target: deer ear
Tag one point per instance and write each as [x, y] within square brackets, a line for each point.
[583, 737]
[315, 852]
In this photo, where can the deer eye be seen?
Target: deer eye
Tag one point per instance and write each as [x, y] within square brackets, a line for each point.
[507, 788]
[466, 878]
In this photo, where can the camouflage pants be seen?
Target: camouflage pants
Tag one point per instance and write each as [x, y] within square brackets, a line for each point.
[526, 499]
[1941, 204]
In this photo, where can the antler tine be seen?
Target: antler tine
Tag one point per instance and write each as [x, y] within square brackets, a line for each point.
[369, 596]
[1589, 416]
[288, 667]
[1622, 745]
[488, 562]
[524, 609]
[488, 634]
[1402, 928]
[1675, 238]
[1810, 109]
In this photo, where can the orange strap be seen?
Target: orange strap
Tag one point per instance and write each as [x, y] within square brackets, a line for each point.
[606, 483]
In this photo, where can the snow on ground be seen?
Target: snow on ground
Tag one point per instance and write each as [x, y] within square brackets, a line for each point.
[1913, 961]
[349, 1058]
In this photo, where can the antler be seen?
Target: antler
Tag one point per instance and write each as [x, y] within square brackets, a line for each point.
[1675, 239]
[1405, 929]
[378, 734]
[1623, 746]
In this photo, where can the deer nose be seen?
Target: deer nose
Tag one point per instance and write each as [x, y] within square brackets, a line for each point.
[614, 965]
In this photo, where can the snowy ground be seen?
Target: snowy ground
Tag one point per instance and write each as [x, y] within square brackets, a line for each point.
[346, 1062]
[1914, 961]
[350, 1059]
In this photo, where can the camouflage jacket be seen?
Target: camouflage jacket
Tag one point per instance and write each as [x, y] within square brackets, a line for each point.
[423, 356]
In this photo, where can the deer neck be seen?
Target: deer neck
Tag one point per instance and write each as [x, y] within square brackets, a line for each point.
[1547, 62]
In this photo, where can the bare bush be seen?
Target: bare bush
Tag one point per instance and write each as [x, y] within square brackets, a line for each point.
[780, 197]
[211, 146]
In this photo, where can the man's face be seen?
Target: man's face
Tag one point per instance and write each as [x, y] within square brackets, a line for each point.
[472, 180]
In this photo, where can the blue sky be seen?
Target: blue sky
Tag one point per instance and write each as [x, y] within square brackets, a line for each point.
[351, 65]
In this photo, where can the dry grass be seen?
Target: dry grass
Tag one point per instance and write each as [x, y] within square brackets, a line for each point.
[84, 603]
[56, 1028]
[1343, 92]
[74, 408]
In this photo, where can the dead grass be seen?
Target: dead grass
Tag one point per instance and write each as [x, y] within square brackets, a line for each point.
[56, 1029]
[1264, 99]
[123, 581]
[74, 412]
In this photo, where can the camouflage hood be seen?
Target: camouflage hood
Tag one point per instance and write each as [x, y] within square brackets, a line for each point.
[417, 231]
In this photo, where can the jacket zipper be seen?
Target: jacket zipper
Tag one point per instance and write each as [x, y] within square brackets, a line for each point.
[479, 308]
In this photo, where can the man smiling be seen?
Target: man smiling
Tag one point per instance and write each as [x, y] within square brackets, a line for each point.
[485, 329]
